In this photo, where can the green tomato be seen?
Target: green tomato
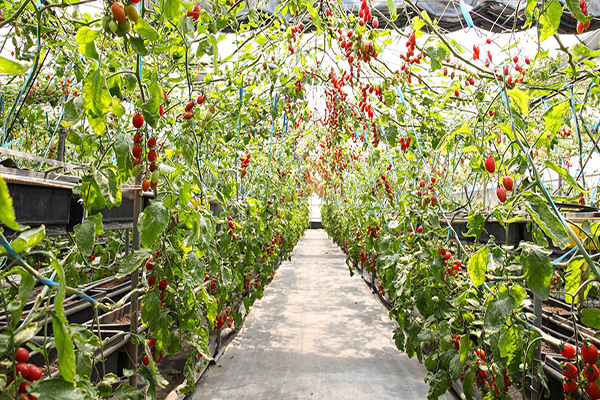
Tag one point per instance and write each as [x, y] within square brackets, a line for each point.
[113, 26]
[136, 170]
[126, 26]
[155, 176]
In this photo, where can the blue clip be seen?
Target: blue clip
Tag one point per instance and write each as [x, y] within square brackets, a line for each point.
[401, 95]
[466, 14]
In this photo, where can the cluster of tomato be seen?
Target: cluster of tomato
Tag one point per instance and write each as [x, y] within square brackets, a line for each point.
[244, 164]
[582, 26]
[373, 231]
[26, 371]
[212, 288]
[482, 375]
[388, 188]
[157, 356]
[456, 340]
[119, 23]
[428, 193]
[334, 114]
[188, 113]
[269, 248]
[292, 38]
[380, 290]
[224, 319]
[573, 380]
[194, 13]
[231, 228]
[405, 143]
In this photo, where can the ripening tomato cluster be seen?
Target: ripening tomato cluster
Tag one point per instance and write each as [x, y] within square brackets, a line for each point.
[119, 23]
[373, 231]
[582, 26]
[222, 320]
[388, 187]
[212, 286]
[150, 265]
[26, 373]
[573, 379]
[244, 164]
[428, 195]
[291, 36]
[456, 340]
[194, 13]
[231, 228]
[157, 355]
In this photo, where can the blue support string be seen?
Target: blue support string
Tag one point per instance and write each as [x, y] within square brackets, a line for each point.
[559, 259]
[272, 129]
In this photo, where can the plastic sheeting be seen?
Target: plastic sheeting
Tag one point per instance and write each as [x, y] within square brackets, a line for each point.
[499, 16]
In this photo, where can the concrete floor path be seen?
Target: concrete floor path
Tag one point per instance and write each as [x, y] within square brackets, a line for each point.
[317, 333]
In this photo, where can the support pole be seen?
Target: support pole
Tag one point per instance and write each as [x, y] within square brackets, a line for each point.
[537, 310]
[60, 151]
[133, 348]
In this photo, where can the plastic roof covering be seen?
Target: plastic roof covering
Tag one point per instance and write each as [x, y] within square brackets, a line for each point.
[499, 16]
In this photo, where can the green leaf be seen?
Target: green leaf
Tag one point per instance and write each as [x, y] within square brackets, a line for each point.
[549, 19]
[538, 269]
[27, 283]
[133, 262]
[145, 373]
[73, 112]
[564, 173]
[573, 278]
[508, 343]
[185, 194]
[207, 232]
[172, 10]
[437, 55]
[477, 266]
[89, 50]
[127, 392]
[85, 233]
[59, 297]
[546, 219]
[497, 312]
[211, 306]
[152, 222]
[144, 29]
[456, 367]
[13, 67]
[109, 185]
[150, 109]
[463, 349]
[58, 389]
[25, 333]
[581, 50]
[96, 97]
[392, 10]
[117, 108]
[137, 44]
[475, 225]
[576, 11]
[554, 117]
[521, 98]
[93, 201]
[64, 349]
[85, 35]
[439, 384]
[591, 317]
[7, 212]
[28, 239]
[123, 152]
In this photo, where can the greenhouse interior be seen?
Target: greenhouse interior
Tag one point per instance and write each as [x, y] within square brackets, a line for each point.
[297, 199]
